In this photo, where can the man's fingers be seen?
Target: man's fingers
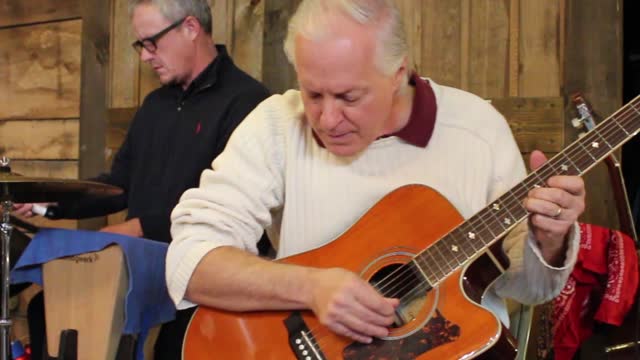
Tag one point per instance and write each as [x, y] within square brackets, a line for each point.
[536, 160]
[571, 184]
[344, 331]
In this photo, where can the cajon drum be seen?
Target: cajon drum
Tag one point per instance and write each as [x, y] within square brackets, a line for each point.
[86, 292]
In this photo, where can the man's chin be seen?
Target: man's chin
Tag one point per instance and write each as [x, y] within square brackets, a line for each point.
[344, 150]
[167, 80]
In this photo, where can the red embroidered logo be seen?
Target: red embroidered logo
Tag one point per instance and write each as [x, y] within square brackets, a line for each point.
[198, 127]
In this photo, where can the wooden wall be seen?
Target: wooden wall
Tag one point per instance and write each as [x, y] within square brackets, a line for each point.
[40, 87]
[526, 56]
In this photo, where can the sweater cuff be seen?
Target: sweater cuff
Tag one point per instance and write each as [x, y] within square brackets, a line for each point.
[571, 255]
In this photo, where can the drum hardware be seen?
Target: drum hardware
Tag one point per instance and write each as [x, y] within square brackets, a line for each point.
[15, 188]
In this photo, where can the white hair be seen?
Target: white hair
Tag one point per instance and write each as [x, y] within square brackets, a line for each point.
[312, 21]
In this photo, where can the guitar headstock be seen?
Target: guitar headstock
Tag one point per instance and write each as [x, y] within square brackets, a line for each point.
[586, 117]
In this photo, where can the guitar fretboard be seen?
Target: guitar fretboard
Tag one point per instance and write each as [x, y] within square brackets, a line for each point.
[477, 233]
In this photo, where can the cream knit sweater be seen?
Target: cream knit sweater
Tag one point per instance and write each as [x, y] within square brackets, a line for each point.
[274, 175]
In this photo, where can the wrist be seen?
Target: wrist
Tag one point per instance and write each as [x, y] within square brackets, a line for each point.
[309, 281]
[554, 255]
[136, 227]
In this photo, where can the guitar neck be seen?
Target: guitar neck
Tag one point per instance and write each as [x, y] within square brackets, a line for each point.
[472, 237]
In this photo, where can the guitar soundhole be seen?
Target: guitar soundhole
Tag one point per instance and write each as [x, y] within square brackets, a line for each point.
[402, 281]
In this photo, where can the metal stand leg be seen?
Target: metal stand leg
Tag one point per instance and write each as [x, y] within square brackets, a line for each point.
[5, 320]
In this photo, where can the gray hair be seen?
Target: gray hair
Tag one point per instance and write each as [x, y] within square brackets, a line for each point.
[174, 10]
[311, 20]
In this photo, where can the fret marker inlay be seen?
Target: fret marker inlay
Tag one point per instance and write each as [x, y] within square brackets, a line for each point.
[507, 221]
[496, 206]
[564, 167]
[454, 248]
[595, 144]
[471, 235]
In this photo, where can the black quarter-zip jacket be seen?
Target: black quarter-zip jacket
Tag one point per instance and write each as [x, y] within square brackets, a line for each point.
[173, 137]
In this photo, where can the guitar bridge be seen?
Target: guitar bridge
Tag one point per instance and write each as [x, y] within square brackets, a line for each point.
[301, 340]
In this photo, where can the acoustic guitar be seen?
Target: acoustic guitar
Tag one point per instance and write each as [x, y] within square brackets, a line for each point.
[412, 245]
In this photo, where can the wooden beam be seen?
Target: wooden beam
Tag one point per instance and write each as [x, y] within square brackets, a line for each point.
[411, 15]
[539, 53]
[488, 43]
[222, 15]
[119, 121]
[93, 102]
[441, 34]
[277, 74]
[248, 30]
[124, 77]
[514, 47]
[593, 66]
[21, 12]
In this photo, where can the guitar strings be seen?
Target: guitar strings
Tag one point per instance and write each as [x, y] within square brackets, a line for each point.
[612, 126]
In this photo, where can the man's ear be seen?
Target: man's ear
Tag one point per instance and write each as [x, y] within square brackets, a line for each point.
[401, 75]
[192, 26]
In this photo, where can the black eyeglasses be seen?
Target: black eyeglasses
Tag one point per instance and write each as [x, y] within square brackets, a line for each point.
[150, 43]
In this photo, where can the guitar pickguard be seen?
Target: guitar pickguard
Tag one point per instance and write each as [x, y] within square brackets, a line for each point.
[436, 332]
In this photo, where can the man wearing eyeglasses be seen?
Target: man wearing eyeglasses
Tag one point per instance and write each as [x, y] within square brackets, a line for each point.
[177, 132]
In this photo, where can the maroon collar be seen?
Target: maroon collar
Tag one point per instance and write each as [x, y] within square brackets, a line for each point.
[422, 120]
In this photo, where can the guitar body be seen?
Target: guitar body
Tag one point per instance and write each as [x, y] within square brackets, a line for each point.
[445, 323]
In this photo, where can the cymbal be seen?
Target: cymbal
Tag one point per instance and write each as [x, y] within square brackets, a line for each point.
[23, 189]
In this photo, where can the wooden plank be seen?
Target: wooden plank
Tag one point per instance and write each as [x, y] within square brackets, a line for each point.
[536, 123]
[248, 30]
[488, 48]
[119, 120]
[20, 12]
[412, 17]
[465, 35]
[124, 70]
[222, 15]
[539, 48]
[40, 71]
[55, 169]
[148, 82]
[441, 34]
[93, 103]
[277, 74]
[514, 47]
[593, 66]
[41, 139]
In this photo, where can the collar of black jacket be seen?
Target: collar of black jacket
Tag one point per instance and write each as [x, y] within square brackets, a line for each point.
[209, 75]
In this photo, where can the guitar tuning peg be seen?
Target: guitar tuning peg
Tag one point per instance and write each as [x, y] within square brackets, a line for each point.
[577, 123]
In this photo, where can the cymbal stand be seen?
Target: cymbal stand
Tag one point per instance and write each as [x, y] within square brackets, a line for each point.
[5, 232]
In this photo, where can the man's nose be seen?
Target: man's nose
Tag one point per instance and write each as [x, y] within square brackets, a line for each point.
[331, 115]
[145, 55]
